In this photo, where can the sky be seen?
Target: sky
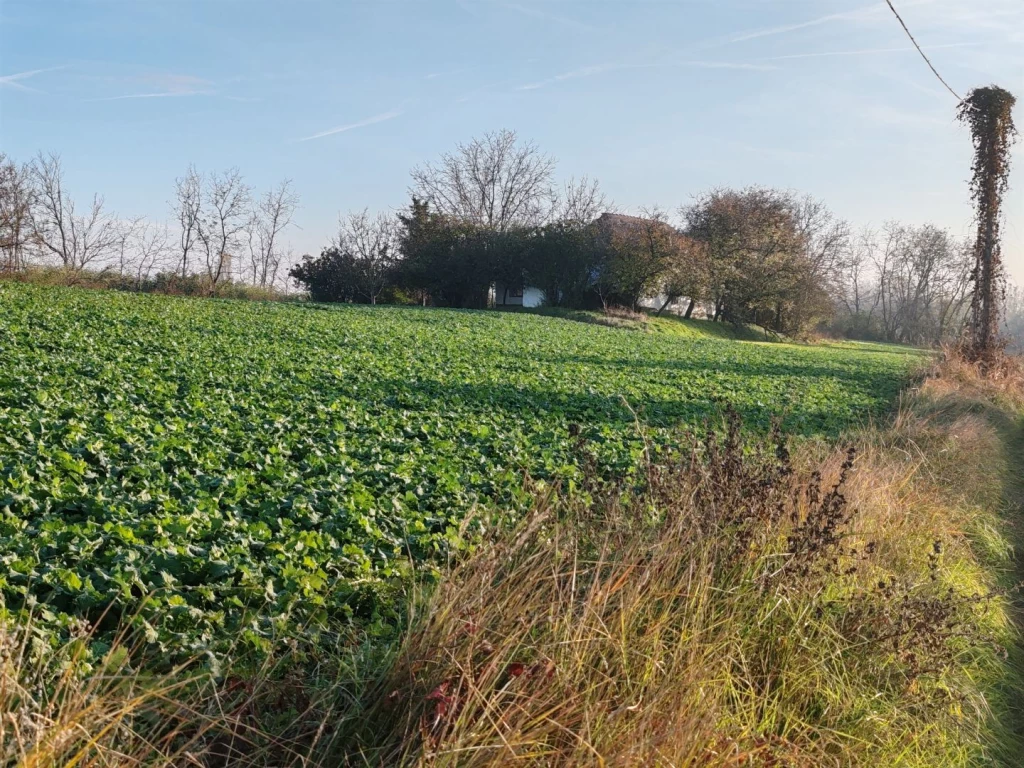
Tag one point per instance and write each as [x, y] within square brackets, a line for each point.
[657, 99]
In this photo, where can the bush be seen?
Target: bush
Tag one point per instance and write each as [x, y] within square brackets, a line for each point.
[337, 275]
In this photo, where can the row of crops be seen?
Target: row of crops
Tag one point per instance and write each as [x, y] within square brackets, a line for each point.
[225, 472]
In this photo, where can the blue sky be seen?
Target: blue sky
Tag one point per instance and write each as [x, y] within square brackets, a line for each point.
[658, 99]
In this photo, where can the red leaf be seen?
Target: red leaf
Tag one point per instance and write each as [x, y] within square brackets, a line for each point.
[441, 692]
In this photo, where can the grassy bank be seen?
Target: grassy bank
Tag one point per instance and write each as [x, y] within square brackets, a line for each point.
[743, 607]
[669, 325]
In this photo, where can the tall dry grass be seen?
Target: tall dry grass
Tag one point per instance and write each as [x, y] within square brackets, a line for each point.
[743, 607]
[745, 610]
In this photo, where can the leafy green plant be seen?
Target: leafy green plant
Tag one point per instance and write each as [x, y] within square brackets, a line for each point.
[236, 473]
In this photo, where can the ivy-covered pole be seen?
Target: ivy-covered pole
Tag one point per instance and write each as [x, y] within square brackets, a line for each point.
[988, 112]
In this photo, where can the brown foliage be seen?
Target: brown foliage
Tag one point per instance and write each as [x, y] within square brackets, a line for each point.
[989, 113]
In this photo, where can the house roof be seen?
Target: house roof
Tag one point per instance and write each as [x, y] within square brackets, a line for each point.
[622, 225]
[615, 219]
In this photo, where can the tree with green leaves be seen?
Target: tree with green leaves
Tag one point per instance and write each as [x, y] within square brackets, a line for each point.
[686, 275]
[771, 256]
[445, 261]
[635, 252]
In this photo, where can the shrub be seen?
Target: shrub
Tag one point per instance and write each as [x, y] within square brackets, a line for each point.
[337, 275]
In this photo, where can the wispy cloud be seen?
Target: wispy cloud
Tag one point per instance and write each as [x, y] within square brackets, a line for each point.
[359, 124]
[178, 83]
[775, 153]
[864, 13]
[167, 84]
[599, 69]
[1001, 17]
[13, 81]
[786, 28]
[885, 114]
[483, 9]
[865, 51]
[595, 69]
[156, 95]
[749, 66]
[471, 8]
[545, 15]
[486, 88]
[448, 73]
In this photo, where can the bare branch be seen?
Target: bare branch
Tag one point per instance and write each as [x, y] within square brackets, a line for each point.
[271, 214]
[77, 241]
[188, 207]
[373, 244]
[224, 217]
[17, 199]
[494, 182]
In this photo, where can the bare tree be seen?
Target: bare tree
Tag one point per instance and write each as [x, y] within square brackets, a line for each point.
[153, 248]
[494, 182]
[271, 214]
[76, 240]
[856, 297]
[580, 202]
[908, 284]
[823, 241]
[953, 294]
[1013, 318]
[373, 244]
[124, 246]
[826, 240]
[224, 217]
[17, 197]
[188, 208]
[884, 253]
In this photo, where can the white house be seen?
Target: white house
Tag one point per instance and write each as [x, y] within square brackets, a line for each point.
[505, 296]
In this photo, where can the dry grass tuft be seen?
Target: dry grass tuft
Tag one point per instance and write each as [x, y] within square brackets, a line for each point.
[1001, 383]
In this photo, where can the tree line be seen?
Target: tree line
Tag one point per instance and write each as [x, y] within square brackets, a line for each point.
[222, 230]
[489, 218]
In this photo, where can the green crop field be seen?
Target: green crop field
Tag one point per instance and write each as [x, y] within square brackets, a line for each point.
[227, 471]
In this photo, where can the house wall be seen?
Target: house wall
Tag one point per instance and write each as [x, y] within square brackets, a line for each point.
[656, 302]
[677, 307]
[653, 302]
[533, 297]
[502, 299]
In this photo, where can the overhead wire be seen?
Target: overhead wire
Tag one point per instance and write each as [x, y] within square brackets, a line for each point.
[923, 56]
